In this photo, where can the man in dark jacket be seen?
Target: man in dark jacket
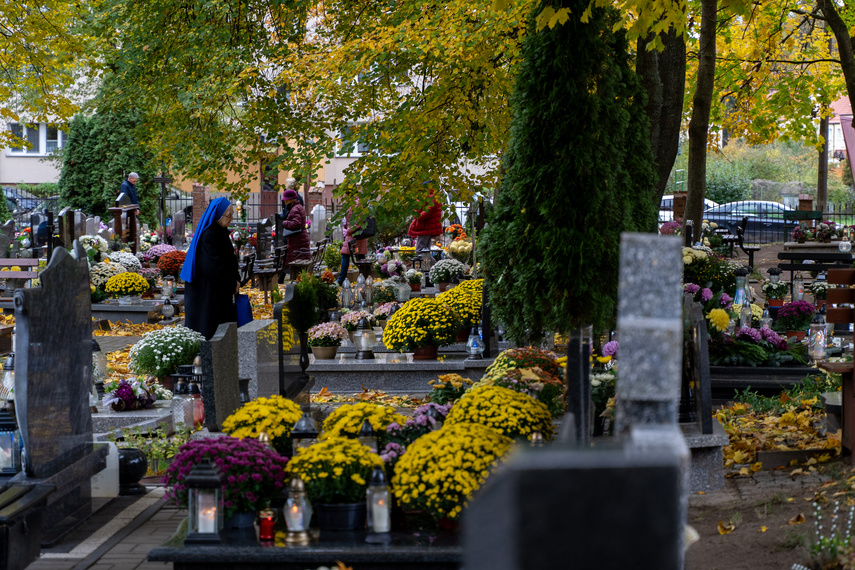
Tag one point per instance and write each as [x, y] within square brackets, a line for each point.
[129, 187]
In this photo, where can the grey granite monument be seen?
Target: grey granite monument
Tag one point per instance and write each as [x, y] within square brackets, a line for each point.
[53, 379]
[258, 358]
[7, 234]
[220, 388]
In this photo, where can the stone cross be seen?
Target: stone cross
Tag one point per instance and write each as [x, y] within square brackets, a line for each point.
[220, 388]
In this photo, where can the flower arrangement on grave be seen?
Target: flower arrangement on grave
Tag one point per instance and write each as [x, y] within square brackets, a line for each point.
[750, 346]
[465, 301]
[445, 270]
[672, 228]
[148, 238]
[794, 316]
[756, 313]
[239, 237]
[826, 231]
[327, 334]
[449, 388]
[390, 268]
[460, 250]
[274, 416]
[702, 266]
[399, 436]
[350, 319]
[525, 357]
[144, 256]
[332, 255]
[414, 277]
[128, 260]
[254, 473]
[534, 382]
[101, 272]
[161, 352]
[430, 476]
[602, 392]
[819, 290]
[384, 294]
[158, 250]
[335, 470]
[128, 395]
[127, 283]
[508, 412]
[382, 255]
[96, 248]
[456, 232]
[97, 295]
[170, 263]
[421, 322]
[328, 276]
[151, 275]
[382, 312]
[777, 290]
[346, 421]
[158, 391]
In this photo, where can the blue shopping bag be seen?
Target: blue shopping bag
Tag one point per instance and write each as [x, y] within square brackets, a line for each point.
[244, 309]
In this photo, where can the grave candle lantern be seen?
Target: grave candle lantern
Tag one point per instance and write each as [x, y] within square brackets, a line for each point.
[360, 290]
[474, 345]
[266, 522]
[205, 518]
[774, 274]
[364, 338]
[798, 288]
[369, 290]
[367, 436]
[304, 433]
[378, 503]
[346, 295]
[99, 364]
[9, 374]
[168, 286]
[10, 444]
[298, 513]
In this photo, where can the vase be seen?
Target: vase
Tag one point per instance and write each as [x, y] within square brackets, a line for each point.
[341, 516]
[800, 335]
[133, 466]
[801, 240]
[416, 287]
[239, 520]
[776, 302]
[324, 352]
[425, 353]
[442, 286]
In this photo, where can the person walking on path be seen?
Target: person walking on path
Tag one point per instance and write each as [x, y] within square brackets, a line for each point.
[351, 248]
[211, 272]
[295, 221]
[426, 225]
[129, 187]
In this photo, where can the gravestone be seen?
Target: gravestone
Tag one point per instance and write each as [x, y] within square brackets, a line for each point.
[294, 383]
[7, 234]
[92, 226]
[53, 379]
[570, 501]
[79, 224]
[258, 358]
[220, 388]
[578, 397]
[66, 226]
[263, 238]
[178, 230]
[106, 234]
[319, 223]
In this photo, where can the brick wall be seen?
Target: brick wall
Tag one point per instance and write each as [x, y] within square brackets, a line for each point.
[200, 202]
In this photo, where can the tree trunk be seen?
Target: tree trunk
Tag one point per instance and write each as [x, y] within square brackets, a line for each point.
[822, 169]
[699, 123]
[663, 76]
[840, 29]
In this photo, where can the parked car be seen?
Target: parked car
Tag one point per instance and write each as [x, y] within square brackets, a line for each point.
[666, 208]
[766, 222]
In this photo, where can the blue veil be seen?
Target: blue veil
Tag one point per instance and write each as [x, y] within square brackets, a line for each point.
[213, 212]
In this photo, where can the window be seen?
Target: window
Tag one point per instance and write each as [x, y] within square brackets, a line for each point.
[43, 139]
[349, 146]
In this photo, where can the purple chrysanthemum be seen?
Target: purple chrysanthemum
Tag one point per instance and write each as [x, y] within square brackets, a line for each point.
[691, 288]
[749, 333]
[610, 348]
[706, 294]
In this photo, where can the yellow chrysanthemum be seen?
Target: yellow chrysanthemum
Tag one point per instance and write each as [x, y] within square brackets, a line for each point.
[719, 318]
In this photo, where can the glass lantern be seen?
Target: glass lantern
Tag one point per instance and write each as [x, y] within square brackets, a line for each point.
[304, 433]
[298, 513]
[474, 345]
[403, 290]
[10, 444]
[367, 436]
[9, 375]
[369, 291]
[346, 295]
[205, 517]
[266, 524]
[774, 274]
[364, 338]
[167, 287]
[817, 338]
[798, 288]
[378, 501]
[360, 290]
[168, 309]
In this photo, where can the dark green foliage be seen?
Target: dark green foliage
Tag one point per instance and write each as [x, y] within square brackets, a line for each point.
[812, 386]
[392, 223]
[304, 307]
[578, 173]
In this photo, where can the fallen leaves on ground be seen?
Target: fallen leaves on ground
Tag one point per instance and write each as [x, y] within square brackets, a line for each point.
[127, 328]
[725, 528]
[798, 519]
[325, 396]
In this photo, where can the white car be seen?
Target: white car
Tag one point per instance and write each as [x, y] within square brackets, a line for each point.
[666, 208]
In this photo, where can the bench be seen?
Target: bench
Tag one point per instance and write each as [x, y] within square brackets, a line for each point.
[827, 261]
[740, 241]
[29, 262]
[843, 315]
[246, 270]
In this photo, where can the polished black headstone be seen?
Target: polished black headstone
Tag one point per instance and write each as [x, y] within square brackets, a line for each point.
[220, 387]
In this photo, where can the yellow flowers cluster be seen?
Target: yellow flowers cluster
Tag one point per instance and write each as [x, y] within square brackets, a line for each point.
[335, 470]
[421, 322]
[460, 250]
[274, 415]
[690, 255]
[509, 413]
[127, 283]
[440, 470]
[465, 301]
[719, 318]
[347, 420]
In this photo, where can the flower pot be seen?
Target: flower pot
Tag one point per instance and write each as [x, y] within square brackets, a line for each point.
[776, 302]
[239, 520]
[463, 335]
[448, 524]
[801, 240]
[442, 286]
[133, 466]
[425, 353]
[800, 335]
[826, 240]
[341, 516]
[416, 287]
[324, 352]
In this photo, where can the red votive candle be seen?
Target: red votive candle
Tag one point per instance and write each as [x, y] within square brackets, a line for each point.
[267, 520]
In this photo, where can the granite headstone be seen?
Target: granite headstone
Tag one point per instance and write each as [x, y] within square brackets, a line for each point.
[258, 357]
[7, 234]
[66, 226]
[220, 388]
[92, 225]
[178, 229]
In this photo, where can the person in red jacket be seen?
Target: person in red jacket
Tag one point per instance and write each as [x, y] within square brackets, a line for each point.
[298, 242]
[426, 225]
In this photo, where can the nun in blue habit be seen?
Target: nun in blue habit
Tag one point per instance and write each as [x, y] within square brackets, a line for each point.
[211, 272]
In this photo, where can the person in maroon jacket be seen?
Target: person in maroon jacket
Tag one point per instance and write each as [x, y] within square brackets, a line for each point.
[426, 225]
[298, 243]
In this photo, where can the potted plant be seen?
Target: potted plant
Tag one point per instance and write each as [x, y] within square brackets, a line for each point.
[382, 312]
[125, 286]
[274, 416]
[444, 271]
[420, 326]
[157, 251]
[254, 475]
[465, 300]
[350, 320]
[775, 292]
[414, 278]
[336, 472]
[398, 436]
[801, 233]
[170, 263]
[97, 248]
[384, 294]
[448, 388]
[325, 338]
[794, 318]
[101, 272]
[534, 382]
[391, 268]
[160, 352]
[820, 292]
[130, 261]
[825, 231]
[508, 412]
[346, 420]
[460, 249]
